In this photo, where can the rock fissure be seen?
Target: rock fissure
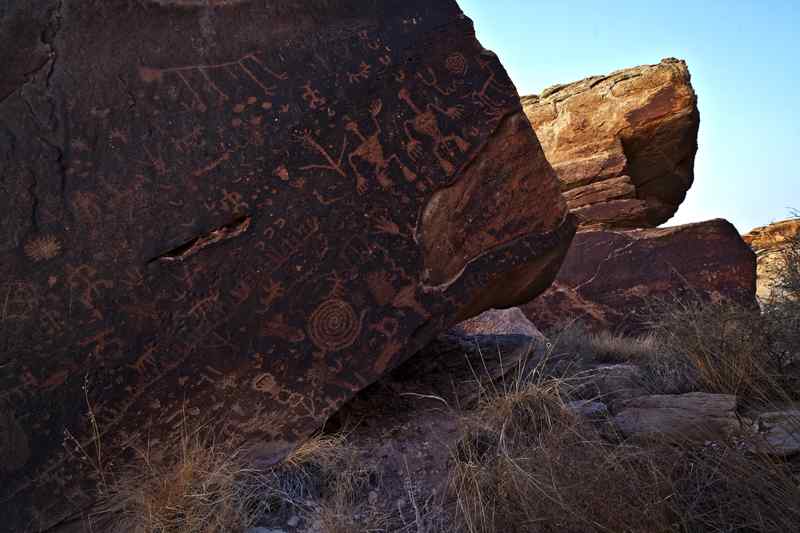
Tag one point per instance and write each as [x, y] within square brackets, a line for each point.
[195, 245]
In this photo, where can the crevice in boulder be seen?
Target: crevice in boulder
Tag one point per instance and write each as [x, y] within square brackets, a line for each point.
[190, 248]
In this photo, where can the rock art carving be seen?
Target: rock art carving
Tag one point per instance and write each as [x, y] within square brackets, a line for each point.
[208, 219]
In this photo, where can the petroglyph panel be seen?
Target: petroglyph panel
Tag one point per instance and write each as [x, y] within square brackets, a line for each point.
[238, 212]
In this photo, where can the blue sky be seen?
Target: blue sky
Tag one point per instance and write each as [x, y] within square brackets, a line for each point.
[744, 57]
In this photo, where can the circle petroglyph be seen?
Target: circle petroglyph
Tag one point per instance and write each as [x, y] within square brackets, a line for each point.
[334, 325]
[456, 64]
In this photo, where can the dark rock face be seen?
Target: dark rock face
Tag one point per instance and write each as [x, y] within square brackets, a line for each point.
[623, 144]
[609, 277]
[242, 212]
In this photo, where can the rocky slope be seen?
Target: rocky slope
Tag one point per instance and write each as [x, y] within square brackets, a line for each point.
[610, 277]
[768, 242]
[623, 145]
[242, 226]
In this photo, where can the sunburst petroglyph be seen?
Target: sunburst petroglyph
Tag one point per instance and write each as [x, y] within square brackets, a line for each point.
[42, 248]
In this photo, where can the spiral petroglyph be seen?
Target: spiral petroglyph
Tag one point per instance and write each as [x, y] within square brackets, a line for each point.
[334, 325]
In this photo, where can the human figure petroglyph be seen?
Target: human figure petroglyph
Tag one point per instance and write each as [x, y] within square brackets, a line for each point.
[364, 70]
[371, 150]
[313, 98]
[84, 279]
[432, 81]
[102, 341]
[426, 123]
[145, 360]
[203, 307]
[278, 326]
[155, 161]
[371, 44]
[18, 300]
[87, 206]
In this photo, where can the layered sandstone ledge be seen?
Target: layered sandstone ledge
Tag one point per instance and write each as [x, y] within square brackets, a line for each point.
[623, 145]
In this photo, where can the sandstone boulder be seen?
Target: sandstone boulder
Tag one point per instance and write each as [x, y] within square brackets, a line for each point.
[769, 243]
[611, 276]
[778, 432]
[510, 321]
[694, 416]
[242, 212]
[623, 145]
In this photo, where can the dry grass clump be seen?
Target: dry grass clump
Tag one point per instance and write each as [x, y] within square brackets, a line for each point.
[611, 348]
[529, 464]
[603, 347]
[723, 347]
[343, 504]
[201, 488]
[725, 487]
[718, 347]
[198, 485]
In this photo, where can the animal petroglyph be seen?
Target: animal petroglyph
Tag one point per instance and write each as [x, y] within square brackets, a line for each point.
[248, 66]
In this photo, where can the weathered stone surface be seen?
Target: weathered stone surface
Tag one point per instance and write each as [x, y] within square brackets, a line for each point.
[692, 416]
[242, 212]
[510, 321]
[623, 145]
[612, 384]
[778, 432]
[588, 409]
[609, 277]
[769, 242]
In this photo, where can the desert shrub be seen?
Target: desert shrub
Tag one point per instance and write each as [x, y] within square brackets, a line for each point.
[717, 346]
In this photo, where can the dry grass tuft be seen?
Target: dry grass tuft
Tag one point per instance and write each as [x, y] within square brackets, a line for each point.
[343, 504]
[529, 464]
[603, 347]
[724, 487]
[201, 488]
[199, 485]
[720, 345]
[611, 348]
